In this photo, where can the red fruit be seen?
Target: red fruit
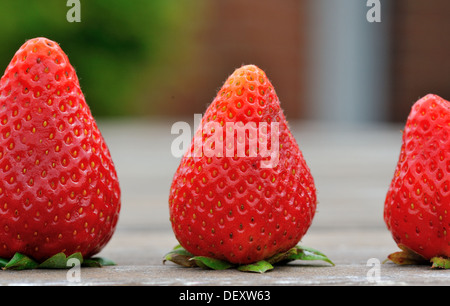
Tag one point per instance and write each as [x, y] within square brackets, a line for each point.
[240, 207]
[58, 189]
[417, 207]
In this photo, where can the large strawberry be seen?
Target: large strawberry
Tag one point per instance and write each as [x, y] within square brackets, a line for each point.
[243, 192]
[417, 206]
[59, 190]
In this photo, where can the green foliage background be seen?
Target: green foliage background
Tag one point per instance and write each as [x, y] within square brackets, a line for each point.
[123, 51]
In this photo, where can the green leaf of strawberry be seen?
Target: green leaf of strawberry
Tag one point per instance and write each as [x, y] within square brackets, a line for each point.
[440, 262]
[407, 257]
[257, 267]
[3, 262]
[212, 263]
[21, 262]
[283, 257]
[98, 262]
[57, 261]
[182, 257]
[60, 261]
[306, 253]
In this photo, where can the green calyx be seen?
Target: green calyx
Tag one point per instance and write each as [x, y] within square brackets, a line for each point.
[182, 257]
[409, 257]
[57, 261]
[440, 262]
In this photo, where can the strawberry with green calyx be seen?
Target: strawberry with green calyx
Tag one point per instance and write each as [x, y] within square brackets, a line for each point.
[243, 192]
[417, 206]
[59, 191]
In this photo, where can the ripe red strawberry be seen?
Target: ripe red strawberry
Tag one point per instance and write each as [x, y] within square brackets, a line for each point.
[417, 207]
[235, 206]
[59, 191]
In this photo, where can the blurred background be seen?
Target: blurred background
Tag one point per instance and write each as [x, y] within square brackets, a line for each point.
[168, 58]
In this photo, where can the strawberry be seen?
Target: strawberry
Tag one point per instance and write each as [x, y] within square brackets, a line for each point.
[235, 203]
[417, 206]
[59, 190]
